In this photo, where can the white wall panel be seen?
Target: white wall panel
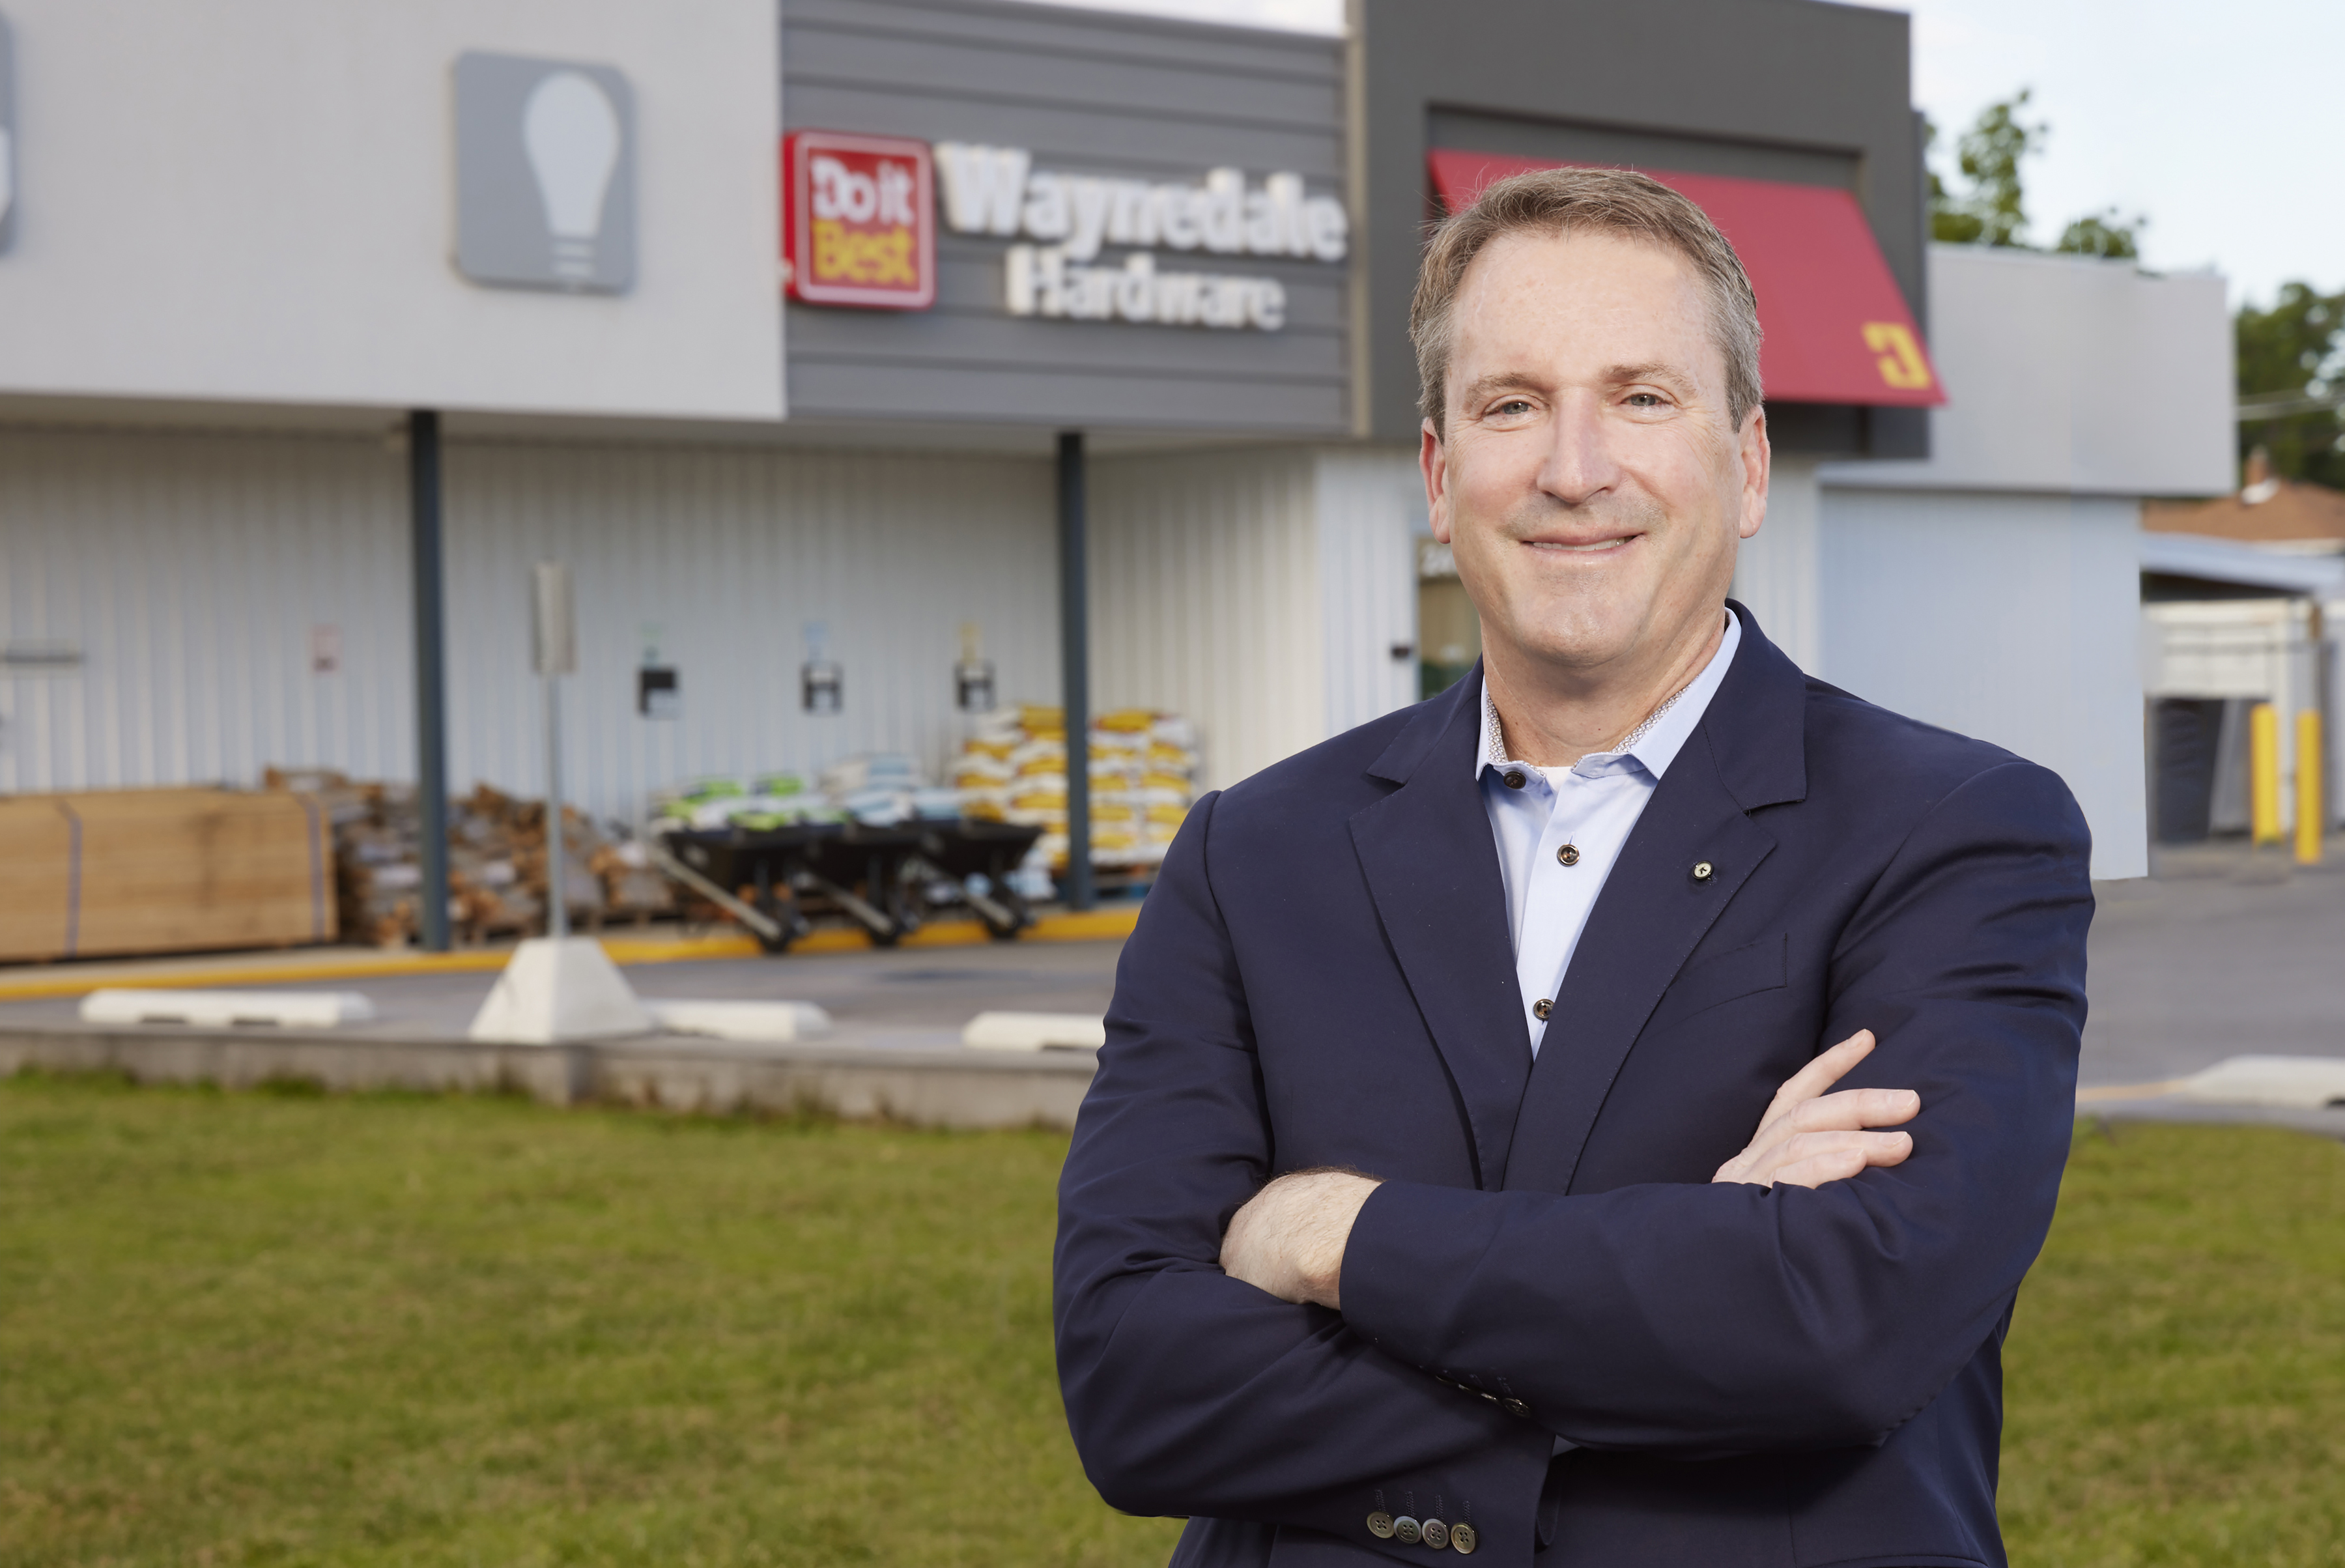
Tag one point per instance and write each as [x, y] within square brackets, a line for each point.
[188, 570]
[731, 552]
[191, 568]
[1206, 601]
[2065, 373]
[1778, 572]
[1371, 504]
[2014, 618]
[251, 201]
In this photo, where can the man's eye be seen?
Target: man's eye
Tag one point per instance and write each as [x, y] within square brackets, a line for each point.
[1513, 405]
[1647, 399]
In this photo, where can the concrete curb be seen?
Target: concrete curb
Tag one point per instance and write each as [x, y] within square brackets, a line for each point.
[930, 1088]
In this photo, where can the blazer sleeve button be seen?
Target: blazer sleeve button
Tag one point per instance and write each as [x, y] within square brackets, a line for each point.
[1462, 1540]
[1437, 1534]
[1380, 1525]
[1406, 1531]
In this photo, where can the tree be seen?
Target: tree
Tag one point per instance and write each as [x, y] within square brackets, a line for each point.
[1993, 209]
[2295, 351]
[2104, 234]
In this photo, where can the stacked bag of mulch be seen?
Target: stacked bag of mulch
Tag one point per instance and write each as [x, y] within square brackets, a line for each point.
[885, 788]
[878, 789]
[760, 803]
[1142, 763]
[1144, 768]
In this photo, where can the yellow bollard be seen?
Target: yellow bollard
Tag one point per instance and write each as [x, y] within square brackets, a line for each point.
[2309, 825]
[2263, 772]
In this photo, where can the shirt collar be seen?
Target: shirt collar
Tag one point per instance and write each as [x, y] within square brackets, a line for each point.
[1658, 746]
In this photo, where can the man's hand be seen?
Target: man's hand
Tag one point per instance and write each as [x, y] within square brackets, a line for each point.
[1289, 1238]
[1809, 1137]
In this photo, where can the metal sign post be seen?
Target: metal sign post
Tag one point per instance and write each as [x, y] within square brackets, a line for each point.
[553, 654]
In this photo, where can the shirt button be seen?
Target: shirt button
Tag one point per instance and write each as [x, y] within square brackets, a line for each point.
[1569, 855]
[1514, 778]
[1541, 1008]
[1703, 871]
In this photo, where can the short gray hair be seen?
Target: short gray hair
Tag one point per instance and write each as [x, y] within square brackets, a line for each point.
[1582, 200]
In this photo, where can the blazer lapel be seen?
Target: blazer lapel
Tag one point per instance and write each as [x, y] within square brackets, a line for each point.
[1433, 869]
[1747, 752]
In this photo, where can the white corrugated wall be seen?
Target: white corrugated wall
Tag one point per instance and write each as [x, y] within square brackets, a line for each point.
[1205, 598]
[1778, 571]
[189, 570]
[721, 556]
[2012, 618]
[1371, 504]
[1258, 591]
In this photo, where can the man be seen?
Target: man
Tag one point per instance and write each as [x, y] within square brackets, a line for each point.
[1461, 1173]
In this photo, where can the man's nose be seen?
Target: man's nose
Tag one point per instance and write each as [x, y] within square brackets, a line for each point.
[1579, 465]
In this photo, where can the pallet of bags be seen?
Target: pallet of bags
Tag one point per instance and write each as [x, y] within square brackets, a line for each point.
[164, 871]
[1142, 765]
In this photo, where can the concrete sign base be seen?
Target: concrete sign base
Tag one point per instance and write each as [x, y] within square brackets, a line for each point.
[559, 989]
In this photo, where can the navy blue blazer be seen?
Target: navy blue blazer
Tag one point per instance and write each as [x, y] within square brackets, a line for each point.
[1324, 976]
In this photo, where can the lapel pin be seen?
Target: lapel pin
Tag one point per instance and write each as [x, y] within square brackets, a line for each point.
[1703, 871]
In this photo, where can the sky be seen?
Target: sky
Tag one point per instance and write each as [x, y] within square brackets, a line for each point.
[2216, 119]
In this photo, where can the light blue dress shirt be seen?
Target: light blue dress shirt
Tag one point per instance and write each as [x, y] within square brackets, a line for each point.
[1591, 806]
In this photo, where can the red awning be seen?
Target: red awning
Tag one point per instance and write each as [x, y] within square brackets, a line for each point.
[1837, 329]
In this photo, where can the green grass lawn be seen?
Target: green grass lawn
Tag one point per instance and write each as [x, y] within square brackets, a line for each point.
[264, 1328]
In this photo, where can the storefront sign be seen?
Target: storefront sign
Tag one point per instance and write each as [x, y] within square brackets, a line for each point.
[546, 174]
[997, 190]
[858, 224]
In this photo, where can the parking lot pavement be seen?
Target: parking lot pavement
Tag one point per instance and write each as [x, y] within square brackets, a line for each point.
[906, 997]
[2224, 952]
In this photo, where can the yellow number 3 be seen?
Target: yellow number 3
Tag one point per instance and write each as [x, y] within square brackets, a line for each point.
[1901, 362]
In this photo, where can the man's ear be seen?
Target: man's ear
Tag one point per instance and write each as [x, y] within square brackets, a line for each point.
[1433, 459]
[1758, 459]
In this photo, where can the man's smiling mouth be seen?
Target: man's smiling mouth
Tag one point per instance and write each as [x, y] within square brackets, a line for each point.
[1619, 540]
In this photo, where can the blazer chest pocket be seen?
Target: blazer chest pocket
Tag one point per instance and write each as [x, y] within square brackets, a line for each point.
[1723, 977]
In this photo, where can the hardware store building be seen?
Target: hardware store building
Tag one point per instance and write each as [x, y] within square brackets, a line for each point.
[242, 243]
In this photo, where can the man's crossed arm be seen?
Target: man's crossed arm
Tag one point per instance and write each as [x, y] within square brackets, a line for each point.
[1289, 1238]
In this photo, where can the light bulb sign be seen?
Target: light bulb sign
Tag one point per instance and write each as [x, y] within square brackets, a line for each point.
[858, 224]
[546, 174]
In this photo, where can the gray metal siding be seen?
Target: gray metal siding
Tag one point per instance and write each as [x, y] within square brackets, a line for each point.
[1089, 93]
[1779, 89]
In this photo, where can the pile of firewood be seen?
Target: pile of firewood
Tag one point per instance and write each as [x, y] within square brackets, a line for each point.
[497, 861]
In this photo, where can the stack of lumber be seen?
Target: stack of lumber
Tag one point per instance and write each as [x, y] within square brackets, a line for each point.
[163, 870]
[497, 862]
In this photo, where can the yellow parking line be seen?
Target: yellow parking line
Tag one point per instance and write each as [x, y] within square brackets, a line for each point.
[1094, 925]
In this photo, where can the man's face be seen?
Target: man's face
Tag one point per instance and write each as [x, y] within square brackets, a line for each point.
[1590, 484]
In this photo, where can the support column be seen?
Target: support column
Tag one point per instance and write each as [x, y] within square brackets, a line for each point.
[1075, 669]
[431, 677]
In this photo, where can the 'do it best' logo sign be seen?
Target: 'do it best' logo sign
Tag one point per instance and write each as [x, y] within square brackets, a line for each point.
[858, 224]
